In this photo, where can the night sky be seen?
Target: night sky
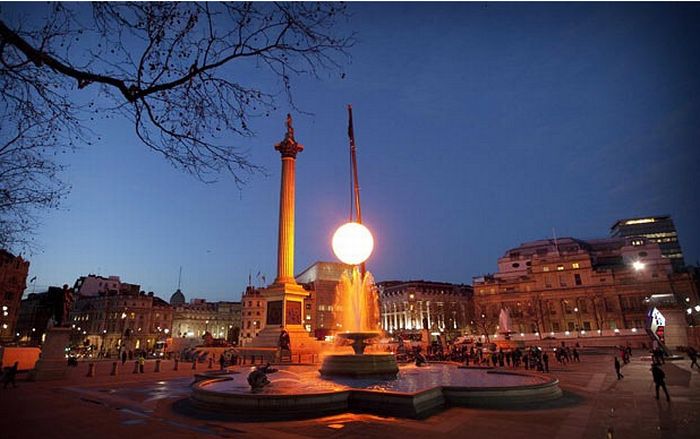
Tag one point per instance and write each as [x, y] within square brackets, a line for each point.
[479, 127]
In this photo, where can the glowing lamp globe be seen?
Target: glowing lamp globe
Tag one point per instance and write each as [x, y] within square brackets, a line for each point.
[353, 243]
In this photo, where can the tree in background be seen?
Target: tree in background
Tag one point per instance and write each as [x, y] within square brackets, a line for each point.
[166, 67]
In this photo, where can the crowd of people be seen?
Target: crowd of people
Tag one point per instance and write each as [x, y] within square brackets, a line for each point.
[529, 358]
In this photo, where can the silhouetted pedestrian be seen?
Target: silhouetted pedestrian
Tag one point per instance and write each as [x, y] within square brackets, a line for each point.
[659, 380]
[9, 375]
[693, 355]
[123, 357]
[545, 360]
[617, 369]
[577, 358]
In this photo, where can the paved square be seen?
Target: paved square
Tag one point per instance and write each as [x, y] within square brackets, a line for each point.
[595, 405]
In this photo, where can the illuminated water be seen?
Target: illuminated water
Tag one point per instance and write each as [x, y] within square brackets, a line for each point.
[357, 303]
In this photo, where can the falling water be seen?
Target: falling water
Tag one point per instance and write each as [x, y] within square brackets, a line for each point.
[357, 304]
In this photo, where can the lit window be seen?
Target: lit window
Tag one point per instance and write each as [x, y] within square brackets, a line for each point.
[575, 265]
[545, 268]
[560, 268]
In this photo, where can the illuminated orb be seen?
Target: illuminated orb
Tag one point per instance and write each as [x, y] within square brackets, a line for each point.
[353, 243]
[638, 265]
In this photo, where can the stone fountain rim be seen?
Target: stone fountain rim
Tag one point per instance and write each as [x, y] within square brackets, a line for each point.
[547, 382]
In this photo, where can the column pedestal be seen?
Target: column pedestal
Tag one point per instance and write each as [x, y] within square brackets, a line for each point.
[285, 310]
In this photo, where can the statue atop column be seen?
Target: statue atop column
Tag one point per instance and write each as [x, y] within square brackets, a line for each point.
[289, 146]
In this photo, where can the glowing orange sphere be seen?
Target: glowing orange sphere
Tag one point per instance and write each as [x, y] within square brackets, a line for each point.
[353, 243]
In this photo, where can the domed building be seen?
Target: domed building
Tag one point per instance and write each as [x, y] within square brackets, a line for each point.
[177, 298]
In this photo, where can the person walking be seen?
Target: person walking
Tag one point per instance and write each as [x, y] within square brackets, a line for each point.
[693, 355]
[123, 357]
[545, 360]
[617, 369]
[659, 380]
[222, 362]
[9, 375]
[577, 357]
[142, 363]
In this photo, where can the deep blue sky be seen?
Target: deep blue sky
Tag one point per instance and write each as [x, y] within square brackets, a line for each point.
[479, 126]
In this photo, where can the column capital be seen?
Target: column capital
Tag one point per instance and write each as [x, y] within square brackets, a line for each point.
[289, 146]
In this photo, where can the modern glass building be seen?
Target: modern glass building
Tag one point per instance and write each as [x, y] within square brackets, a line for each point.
[659, 229]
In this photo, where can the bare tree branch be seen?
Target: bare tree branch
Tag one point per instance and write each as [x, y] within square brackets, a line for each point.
[187, 75]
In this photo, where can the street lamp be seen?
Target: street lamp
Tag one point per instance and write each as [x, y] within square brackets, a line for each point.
[638, 265]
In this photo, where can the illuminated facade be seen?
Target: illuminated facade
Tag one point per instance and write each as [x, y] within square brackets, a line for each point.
[571, 287]
[192, 320]
[13, 281]
[658, 229]
[416, 305]
[117, 320]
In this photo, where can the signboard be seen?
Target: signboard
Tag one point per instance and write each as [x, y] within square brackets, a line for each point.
[657, 323]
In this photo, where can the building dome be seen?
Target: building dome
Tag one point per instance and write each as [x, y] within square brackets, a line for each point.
[177, 298]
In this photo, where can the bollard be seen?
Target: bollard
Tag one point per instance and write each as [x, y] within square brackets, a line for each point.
[136, 367]
[176, 363]
[115, 368]
[91, 370]
[194, 364]
[211, 362]
[157, 369]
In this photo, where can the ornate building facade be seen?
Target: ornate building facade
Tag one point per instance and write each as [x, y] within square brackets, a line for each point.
[416, 305]
[114, 320]
[13, 281]
[570, 287]
[192, 320]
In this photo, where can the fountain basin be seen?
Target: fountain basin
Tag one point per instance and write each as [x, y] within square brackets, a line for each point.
[299, 392]
[379, 365]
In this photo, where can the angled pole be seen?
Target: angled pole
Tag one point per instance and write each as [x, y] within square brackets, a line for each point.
[355, 181]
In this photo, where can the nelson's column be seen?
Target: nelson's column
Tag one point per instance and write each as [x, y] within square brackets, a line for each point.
[285, 298]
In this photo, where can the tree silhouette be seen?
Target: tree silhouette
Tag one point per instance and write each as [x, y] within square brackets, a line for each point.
[188, 76]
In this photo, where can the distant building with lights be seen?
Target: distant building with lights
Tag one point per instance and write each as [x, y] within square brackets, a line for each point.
[579, 288]
[658, 229]
[253, 309]
[94, 285]
[192, 320]
[119, 316]
[417, 304]
[35, 311]
[321, 280]
[13, 281]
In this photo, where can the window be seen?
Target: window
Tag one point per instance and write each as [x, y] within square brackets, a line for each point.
[547, 282]
[515, 265]
[575, 265]
[643, 254]
[586, 326]
[570, 326]
[545, 268]
[555, 326]
[560, 268]
[577, 279]
[562, 281]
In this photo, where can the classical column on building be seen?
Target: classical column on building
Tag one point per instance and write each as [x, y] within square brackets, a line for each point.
[285, 298]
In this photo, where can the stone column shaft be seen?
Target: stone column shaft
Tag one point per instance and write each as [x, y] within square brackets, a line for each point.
[285, 242]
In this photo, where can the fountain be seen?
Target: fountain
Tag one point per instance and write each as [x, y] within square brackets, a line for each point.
[359, 317]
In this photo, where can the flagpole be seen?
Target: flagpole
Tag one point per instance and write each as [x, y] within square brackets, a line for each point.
[355, 180]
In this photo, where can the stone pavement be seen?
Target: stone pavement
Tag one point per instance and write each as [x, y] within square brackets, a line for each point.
[595, 405]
